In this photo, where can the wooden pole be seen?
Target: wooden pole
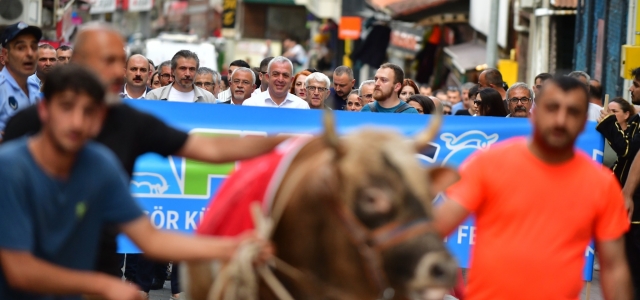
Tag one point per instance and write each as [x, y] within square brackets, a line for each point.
[606, 103]
[588, 289]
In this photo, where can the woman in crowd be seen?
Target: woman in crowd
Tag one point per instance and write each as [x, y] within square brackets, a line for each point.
[489, 103]
[423, 104]
[619, 129]
[297, 88]
[409, 88]
[155, 81]
[354, 102]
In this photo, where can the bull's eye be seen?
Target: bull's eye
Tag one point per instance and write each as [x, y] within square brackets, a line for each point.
[437, 271]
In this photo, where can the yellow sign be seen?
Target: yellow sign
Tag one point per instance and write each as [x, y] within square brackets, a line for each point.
[229, 8]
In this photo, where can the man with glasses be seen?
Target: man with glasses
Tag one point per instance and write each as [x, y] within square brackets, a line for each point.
[241, 84]
[205, 79]
[165, 74]
[366, 91]
[520, 99]
[279, 75]
[317, 86]
[184, 65]
[226, 94]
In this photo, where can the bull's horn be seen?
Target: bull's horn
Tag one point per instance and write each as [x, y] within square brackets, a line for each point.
[422, 139]
[330, 135]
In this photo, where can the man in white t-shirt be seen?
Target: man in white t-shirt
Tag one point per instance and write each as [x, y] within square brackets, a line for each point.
[184, 66]
[279, 75]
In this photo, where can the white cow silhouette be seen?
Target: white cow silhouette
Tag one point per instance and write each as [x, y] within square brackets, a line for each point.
[156, 188]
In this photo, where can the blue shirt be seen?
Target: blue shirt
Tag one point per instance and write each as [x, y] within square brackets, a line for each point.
[34, 79]
[456, 107]
[388, 110]
[13, 99]
[56, 220]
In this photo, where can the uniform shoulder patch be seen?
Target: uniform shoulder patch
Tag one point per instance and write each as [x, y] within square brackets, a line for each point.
[13, 103]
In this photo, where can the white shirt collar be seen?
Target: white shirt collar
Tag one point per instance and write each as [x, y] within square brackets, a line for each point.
[127, 94]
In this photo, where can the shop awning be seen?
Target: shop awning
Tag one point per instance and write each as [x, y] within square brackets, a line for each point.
[565, 3]
[467, 56]
[416, 10]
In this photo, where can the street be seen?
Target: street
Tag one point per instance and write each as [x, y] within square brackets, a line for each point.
[595, 293]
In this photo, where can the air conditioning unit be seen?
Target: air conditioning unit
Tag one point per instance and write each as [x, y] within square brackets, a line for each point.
[14, 11]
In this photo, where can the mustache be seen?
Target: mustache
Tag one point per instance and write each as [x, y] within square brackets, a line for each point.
[137, 77]
[520, 108]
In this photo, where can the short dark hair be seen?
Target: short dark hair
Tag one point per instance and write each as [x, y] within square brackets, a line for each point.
[240, 63]
[397, 72]
[636, 73]
[595, 91]
[256, 71]
[473, 91]
[64, 48]
[543, 77]
[46, 46]
[151, 64]
[264, 64]
[493, 76]
[625, 106]
[65, 77]
[184, 54]
[566, 84]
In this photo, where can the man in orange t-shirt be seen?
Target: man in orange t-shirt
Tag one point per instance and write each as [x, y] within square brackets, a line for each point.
[538, 203]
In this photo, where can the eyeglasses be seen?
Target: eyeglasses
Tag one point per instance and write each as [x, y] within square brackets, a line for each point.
[477, 102]
[524, 100]
[367, 96]
[205, 84]
[167, 76]
[316, 88]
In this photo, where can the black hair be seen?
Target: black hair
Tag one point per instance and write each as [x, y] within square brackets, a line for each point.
[265, 63]
[566, 84]
[473, 91]
[493, 76]
[428, 107]
[240, 63]
[64, 48]
[543, 77]
[492, 103]
[184, 54]
[636, 73]
[256, 71]
[151, 64]
[397, 71]
[76, 78]
[46, 46]
[595, 91]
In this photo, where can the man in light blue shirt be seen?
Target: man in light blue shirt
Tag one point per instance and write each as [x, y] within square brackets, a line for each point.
[47, 59]
[20, 51]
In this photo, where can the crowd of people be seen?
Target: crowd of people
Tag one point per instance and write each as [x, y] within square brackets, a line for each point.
[64, 107]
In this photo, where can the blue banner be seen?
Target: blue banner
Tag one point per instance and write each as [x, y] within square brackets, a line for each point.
[175, 192]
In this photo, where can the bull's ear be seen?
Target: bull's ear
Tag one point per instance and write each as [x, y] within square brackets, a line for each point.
[441, 178]
[330, 135]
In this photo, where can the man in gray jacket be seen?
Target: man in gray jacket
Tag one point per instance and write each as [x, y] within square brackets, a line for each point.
[184, 66]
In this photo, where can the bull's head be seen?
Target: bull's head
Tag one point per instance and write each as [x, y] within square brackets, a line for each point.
[382, 183]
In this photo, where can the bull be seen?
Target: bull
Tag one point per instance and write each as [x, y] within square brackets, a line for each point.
[356, 223]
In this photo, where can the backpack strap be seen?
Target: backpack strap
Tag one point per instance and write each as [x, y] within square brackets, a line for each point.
[372, 107]
[403, 107]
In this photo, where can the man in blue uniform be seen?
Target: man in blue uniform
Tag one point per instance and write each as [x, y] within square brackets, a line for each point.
[57, 190]
[20, 52]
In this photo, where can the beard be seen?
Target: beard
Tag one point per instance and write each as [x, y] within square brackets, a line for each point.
[381, 95]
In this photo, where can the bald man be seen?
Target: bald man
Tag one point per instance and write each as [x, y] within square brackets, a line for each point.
[130, 133]
[136, 76]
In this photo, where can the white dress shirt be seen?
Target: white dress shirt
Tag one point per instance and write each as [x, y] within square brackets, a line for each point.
[594, 112]
[125, 94]
[264, 99]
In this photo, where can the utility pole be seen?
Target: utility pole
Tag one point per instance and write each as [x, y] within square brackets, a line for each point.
[492, 37]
